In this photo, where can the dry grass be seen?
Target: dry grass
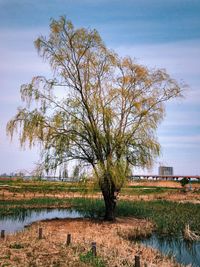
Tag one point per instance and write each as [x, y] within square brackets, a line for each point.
[158, 183]
[161, 183]
[189, 196]
[25, 249]
[7, 195]
[171, 196]
[191, 235]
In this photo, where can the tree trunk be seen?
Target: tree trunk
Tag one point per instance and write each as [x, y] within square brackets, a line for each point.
[110, 202]
[110, 205]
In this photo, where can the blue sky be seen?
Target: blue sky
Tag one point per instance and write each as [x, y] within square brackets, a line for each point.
[162, 34]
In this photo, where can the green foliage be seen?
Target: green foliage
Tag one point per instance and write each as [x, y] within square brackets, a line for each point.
[76, 172]
[16, 246]
[88, 258]
[109, 110]
[107, 116]
[184, 181]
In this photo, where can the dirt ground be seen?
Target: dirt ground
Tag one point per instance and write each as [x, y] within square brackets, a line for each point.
[161, 183]
[113, 244]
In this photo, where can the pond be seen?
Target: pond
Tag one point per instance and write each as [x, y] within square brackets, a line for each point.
[18, 221]
[184, 252]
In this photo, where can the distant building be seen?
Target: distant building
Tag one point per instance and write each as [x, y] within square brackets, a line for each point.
[163, 170]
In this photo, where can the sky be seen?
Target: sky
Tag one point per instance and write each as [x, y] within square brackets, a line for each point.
[158, 34]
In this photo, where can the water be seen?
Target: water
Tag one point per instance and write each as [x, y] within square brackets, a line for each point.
[17, 222]
[184, 252]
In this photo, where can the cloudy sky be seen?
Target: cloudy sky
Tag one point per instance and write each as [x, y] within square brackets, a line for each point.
[164, 34]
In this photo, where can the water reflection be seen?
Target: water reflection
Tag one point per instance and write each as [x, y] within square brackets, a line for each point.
[184, 252]
[17, 221]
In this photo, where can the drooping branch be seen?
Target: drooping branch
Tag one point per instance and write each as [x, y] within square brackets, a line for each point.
[106, 113]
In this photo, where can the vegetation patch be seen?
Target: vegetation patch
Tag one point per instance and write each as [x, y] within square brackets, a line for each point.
[147, 190]
[16, 246]
[89, 258]
[22, 208]
[169, 217]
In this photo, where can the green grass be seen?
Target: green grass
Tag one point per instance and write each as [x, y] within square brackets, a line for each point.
[16, 246]
[88, 258]
[146, 190]
[33, 201]
[47, 187]
[18, 208]
[170, 217]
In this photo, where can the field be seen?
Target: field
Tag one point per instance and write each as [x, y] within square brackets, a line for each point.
[143, 207]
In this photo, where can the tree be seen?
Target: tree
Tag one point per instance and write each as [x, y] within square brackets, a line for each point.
[98, 108]
[76, 172]
[184, 182]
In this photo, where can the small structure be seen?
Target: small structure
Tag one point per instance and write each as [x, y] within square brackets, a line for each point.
[164, 170]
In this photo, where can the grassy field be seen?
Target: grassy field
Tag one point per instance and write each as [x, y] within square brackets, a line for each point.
[20, 186]
[132, 187]
[147, 190]
[135, 219]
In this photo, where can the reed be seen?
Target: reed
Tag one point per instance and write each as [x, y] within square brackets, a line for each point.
[190, 235]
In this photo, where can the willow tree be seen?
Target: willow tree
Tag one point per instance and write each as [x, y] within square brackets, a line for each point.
[98, 108]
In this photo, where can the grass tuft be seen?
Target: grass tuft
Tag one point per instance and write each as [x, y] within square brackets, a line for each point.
[89, 258]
